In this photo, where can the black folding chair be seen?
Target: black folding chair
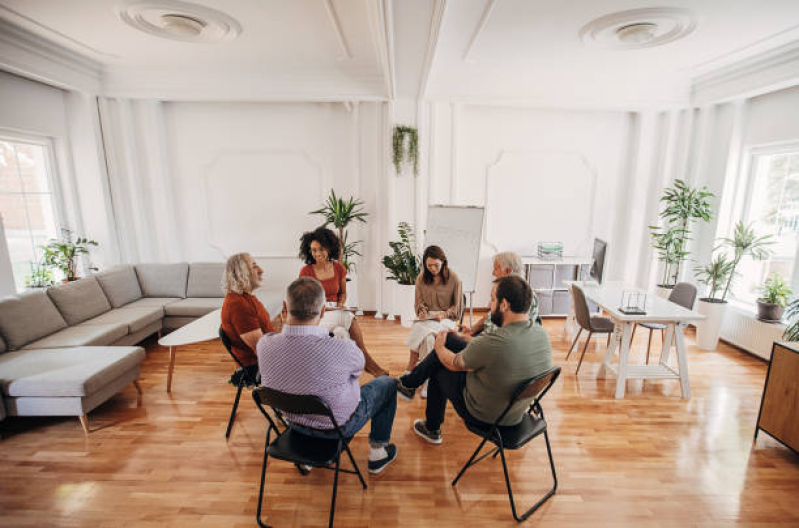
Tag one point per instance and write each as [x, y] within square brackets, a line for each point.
[298, 448]
[517, 436]
[242, 376]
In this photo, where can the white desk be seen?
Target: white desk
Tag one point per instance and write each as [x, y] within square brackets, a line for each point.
[608, 297]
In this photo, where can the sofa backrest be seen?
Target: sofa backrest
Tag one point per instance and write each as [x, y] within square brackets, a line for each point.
[120, 284]
[163, 280]
[79, 300]
[28, 317]
[205, 279]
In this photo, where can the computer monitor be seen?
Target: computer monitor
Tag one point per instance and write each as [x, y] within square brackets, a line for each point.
[598, 260]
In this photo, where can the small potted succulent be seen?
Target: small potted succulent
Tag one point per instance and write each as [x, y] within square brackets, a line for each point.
[774, 300]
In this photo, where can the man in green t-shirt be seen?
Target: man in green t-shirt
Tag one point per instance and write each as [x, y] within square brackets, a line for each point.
[480, 380]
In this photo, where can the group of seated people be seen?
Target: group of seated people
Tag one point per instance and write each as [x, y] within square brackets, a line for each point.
[320, 348]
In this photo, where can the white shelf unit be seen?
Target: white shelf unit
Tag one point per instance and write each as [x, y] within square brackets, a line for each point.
[546, 278]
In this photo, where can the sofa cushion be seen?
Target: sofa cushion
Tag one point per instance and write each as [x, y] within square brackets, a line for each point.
[81, 335]
[193, 307]
[163, 280]
[135, 318]
[120, 285]
[205, 279]
[27, 317]
[152, 302]
[79, 300]
[63, 372]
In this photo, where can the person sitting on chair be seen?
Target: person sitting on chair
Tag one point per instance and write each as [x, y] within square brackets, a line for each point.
[438, 303]
[321, 249]
[480, 380]
[505, 264]
[304, 359]
[244, 318]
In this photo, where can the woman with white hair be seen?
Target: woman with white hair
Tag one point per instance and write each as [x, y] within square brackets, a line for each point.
[244, 318]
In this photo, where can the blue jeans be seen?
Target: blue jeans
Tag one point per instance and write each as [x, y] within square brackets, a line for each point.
[378, 403]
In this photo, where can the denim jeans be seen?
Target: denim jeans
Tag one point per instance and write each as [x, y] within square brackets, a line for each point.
[378, 403]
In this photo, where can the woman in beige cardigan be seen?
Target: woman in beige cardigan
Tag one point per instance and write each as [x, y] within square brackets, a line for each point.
[439, 303]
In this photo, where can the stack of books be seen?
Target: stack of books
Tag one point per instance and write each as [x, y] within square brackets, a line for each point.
[550, 250]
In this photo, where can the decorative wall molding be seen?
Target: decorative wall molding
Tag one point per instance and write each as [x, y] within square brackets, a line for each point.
[29, 55]
[340, 37]
[436, 22]
[480, 27]
[381, 24]
[322, 180]
[765, 72]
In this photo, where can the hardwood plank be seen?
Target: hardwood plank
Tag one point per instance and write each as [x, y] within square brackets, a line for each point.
[650, 459]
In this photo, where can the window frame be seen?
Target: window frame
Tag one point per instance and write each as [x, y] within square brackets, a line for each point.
[51, 171]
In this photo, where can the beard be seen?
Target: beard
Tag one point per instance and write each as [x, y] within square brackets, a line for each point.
[496, 318]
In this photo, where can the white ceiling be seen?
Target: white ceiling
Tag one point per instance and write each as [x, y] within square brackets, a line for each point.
[524, 51]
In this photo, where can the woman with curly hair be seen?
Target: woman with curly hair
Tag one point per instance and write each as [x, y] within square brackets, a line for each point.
[320, 250]
[244, 318]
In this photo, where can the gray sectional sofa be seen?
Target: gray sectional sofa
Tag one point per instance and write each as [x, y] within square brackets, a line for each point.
[66, 350]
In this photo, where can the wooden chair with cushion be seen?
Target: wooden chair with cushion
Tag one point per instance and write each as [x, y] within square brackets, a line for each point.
[594, 324]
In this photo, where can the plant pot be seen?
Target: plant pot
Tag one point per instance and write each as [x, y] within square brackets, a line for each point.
[708, 330]
[769, 312]
[404, 297]
[663, 291]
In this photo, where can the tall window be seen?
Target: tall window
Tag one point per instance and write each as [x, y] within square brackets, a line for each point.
[773, 208]
[27, 204]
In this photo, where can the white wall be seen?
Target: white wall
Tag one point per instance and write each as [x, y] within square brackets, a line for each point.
[532, 151]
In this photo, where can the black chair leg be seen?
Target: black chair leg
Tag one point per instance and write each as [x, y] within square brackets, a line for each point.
[233, 411]
[357, 469]
[335, 489]
[583, 354]
[574, 343]
[263, 482]
[469, 463]
[541, 501]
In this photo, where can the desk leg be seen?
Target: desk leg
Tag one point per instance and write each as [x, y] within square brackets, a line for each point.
[171, 368]
[668, 342]
[614, 343]
[624, 353]
[682, 360]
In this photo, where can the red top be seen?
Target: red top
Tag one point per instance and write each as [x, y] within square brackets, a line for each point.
[330, 285]
[243, 313]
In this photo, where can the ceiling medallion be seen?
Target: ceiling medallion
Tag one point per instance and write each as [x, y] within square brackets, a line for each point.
[639, 28]
[183, 21]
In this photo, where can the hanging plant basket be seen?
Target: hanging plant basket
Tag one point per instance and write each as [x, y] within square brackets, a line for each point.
[405, 148]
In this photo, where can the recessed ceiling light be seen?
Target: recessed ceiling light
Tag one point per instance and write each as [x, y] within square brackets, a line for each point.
[176, 20]
[639, 28]
[637, 33]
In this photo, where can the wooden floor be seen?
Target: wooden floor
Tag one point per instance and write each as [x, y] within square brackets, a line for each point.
[651, 459]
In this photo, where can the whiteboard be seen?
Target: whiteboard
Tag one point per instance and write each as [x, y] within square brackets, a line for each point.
[458, 230]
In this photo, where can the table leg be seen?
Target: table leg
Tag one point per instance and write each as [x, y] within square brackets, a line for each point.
[171, 368]
[668, 342]
[624, 353]
[614, 343]
[682, 360]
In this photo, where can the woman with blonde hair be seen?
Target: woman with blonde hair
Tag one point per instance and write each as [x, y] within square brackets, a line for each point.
[244, 318]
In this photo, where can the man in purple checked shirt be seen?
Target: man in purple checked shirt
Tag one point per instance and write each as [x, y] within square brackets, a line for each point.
[304, 359]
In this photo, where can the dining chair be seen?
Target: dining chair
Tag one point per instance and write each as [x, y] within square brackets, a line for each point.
[593, 324]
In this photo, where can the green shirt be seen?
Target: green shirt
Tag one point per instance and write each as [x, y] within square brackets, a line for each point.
[532, 313]
[499, 362]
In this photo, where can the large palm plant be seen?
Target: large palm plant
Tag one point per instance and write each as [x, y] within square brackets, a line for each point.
[745, 242]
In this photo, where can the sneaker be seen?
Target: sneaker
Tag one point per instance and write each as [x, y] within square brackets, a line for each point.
[376, 466]
[420, 428]
[404, 392]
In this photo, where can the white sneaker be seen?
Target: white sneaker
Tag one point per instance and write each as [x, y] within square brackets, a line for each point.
[423, 392]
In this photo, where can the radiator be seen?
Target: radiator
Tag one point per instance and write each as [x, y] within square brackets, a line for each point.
[745, 331]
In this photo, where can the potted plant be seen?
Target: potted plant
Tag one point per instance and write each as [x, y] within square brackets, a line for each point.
[720, 273]
[39, 277]
[775, 297]
[403, 266]
[63, 254]
[792, 313]
[405, 146]
[683, 205]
